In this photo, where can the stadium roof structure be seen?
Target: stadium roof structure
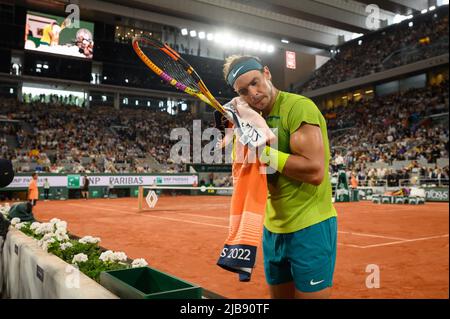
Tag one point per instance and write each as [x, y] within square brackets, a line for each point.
[310, 26]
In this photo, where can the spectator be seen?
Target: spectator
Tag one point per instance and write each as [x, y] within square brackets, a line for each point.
[33, 191]
[46, 188]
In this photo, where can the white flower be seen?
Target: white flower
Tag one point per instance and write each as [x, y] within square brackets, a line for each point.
[109, 255]
[47, 236]
[19, 225]
[44, 243]
[44, 228]
[120, 256]
[89, 240]
[15, 221]
[139, 262]
[34, 226]
[61, 225]
[79, 258]
[106, 255]
[61, 234]
[53, 221]
[64, 246]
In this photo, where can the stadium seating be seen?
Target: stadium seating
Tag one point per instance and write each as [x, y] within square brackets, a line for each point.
[383, 50]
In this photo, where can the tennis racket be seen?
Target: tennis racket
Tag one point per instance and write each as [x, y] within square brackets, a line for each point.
[173, 69]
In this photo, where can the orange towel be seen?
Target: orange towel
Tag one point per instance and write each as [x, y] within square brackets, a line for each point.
[248, 204]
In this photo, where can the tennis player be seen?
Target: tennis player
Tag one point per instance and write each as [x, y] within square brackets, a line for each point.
[300, 227]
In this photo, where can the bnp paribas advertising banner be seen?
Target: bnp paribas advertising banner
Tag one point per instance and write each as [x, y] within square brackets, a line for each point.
[77, 181]
[436, 194]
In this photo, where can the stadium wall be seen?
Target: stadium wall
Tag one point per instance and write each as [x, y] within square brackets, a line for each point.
[68, 186]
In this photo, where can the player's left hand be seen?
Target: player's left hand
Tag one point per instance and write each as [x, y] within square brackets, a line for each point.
[250, 126]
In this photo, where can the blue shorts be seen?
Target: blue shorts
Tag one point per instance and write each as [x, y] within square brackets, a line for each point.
[306, 257]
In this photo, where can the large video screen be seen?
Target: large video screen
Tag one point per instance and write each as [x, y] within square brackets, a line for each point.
[53, 34]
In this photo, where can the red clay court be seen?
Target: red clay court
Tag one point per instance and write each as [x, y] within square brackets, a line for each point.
[184, 235]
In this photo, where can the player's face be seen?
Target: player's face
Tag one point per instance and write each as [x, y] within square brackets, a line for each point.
[256, 89]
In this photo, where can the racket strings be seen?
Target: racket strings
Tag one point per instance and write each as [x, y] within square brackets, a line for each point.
[170, 67]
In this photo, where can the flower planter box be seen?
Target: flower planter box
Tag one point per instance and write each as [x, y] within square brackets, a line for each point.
[148, 283]
[31, 273]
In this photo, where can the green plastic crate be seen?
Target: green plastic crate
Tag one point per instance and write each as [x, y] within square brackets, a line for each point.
[148, 283]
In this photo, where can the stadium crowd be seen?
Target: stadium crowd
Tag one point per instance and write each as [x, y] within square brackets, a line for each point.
[390, 47]
[59, 138]
[55, 138]
[397, 127]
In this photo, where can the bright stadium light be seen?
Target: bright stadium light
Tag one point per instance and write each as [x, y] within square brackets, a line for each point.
[424, 11]
[45, 66]
[399, 18]
[228, 39]
[256, 46]
[201, 35]
[432, 8]
[126, 80]
[193, 33]
[39, 65]
[218, 38]
[234, 42]
[285, 41]
[210, 37]
[270, 48]
[410, 24]
[444, 2]
[184, 31]
[359, 42]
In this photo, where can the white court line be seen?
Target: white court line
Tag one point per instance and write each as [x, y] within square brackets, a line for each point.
[371, 235]
[404, 241]
[221, 226]
[152, 216]
[135, 209]
[204, 216]
[350, 245]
